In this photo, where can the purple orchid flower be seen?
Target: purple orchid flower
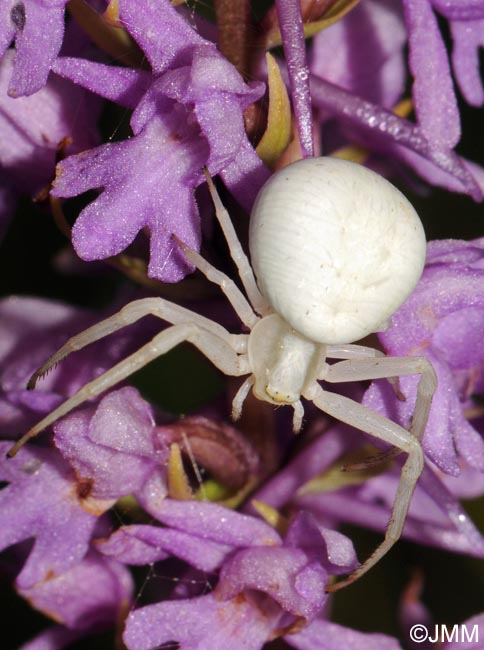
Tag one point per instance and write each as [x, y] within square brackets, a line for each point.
[443, 320]
[266, 585]
[43, 501]
[37, 26]
[115, 449]
[189, 116]
[89, 597]
[61, 504]
[270, 582]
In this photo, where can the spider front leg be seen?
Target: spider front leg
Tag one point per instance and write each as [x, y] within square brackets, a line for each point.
[235, 296]
[381, 367]
[129, 314]
[215, 348]
[360, 417]
[246, 274]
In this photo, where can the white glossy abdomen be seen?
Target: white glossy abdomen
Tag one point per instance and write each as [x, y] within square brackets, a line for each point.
[335, 247]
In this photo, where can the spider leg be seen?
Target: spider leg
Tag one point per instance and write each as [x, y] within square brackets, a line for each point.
[240, 397]
[132, 312]
[354, 351]
[222, 355]
[385, 367]
[356, 415]
[298, 415]
[236, 251]
[235, 296]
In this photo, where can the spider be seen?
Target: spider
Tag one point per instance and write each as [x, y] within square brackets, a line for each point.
[336, 249]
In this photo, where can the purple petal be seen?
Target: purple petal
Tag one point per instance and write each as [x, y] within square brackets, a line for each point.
[448, 434]
[447, 170]
[204, 622]
[426, 523]
[214, 522]
[468, 441]
[121, 85]
[157, 193]
[222, 122]
[468, 485]
[37, 46]
[90, 595]
[441, 291]
[291, 26]
[468, 37]
[457, 251]
[460, 9]
[334, 550]
[435, 515]
[438, 440]
[447, 338]
[111, 450]
[218, 95]
[124, 422]
[323, 635]
[285, 574]
[141, 17]
[139, 545]
[38, 322]
[245, 175]
[30, 331]
[42, 502]
[211, 74]
[433, 92]
[363, 52]
[7, 24]
[466, 529]
[386, 127]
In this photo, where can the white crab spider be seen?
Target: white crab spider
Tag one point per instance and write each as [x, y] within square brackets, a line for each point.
[336, 249]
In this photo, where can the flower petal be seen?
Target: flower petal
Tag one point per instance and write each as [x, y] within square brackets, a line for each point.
[37, 46]
[433, 92]
[468, 37]
[323, 635]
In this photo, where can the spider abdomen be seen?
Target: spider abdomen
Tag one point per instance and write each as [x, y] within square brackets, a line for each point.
[335, 247]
